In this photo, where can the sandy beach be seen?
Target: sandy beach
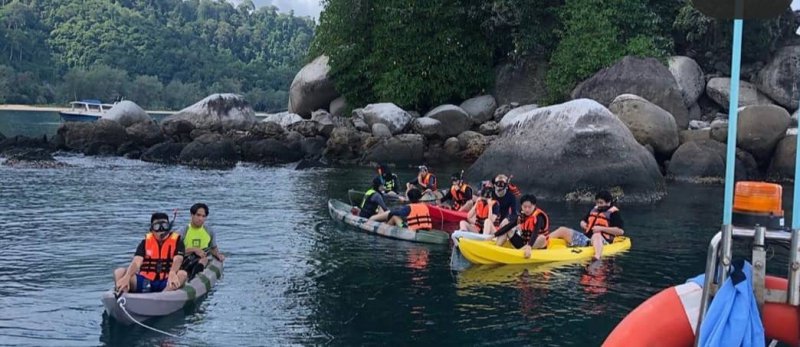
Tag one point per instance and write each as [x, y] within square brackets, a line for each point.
[11, 107]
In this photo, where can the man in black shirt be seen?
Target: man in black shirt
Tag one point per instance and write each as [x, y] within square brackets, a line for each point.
[156, 264]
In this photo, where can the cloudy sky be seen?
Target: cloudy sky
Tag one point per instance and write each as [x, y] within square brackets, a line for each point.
[312, 8]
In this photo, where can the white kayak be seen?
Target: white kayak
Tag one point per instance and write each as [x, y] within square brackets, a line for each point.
[150, 305]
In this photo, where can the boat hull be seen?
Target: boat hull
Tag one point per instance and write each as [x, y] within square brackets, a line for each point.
[150, 305]
[487, 252]
[77, 117]
[341, 212]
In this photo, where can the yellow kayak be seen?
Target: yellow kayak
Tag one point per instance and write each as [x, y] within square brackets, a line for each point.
[486, 252]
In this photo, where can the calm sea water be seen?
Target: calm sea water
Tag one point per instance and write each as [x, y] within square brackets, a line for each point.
[295, 277]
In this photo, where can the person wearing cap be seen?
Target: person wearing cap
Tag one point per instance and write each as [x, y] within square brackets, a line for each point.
[507, 201]
[425, 181]
[156, 264]
[460, 194]
[389, 180]
[373, 202]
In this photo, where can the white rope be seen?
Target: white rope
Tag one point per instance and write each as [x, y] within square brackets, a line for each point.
[121, 302]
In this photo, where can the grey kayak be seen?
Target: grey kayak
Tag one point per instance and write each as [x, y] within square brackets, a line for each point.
[341, 211]
[150, 305]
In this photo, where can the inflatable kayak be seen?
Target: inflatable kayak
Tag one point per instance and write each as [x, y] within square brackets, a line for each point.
[341, 211]
[486, 252]
[150, 305]
[439, 213]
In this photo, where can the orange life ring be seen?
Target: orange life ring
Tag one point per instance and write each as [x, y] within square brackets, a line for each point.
[663, 319]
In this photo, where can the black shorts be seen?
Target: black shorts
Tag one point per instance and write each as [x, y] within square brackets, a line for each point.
[517, 241]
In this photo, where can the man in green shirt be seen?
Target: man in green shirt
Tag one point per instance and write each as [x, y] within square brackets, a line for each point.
[199, 241]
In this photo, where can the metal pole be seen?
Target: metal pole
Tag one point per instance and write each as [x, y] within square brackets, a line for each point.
[793, 295]
[708, 282]
[759, 264]
[733, 118]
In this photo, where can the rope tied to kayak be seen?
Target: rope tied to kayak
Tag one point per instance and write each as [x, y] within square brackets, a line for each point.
[121, 302]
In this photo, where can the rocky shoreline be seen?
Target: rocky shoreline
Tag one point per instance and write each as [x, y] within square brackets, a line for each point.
[630, 127]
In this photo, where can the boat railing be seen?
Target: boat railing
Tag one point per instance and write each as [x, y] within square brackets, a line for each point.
[719, 259]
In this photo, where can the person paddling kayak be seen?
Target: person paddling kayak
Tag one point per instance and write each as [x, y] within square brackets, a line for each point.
[156, 264]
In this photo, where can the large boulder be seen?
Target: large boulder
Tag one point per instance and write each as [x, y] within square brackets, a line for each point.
[127, 113]
[645, 77]
[454, 119]
[515, 115]
[520, 81]
[145, 133]
[401, 149]
[778, 79]
[264, 130]
[719, 90]
[269, 151]
[209, 151]
[480, 109]
[218, 111]
[650, 124]
[103, 136]
[388, 114]
[164, 153]
[284, 119]
[573, 147]
[703, 161]
[473, 145]
[311, 88]
[307, 128]
[427, 127]
[690, 78]
[179, 130]
[760, 128]
[783, 160]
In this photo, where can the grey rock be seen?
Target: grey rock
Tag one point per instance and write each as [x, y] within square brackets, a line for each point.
[454, 120]
[480, 109]
[690, 78]
[401, 149]
[218, 111]
[395, 118]
[427, 127]
[649, 124]
[645, 77]
[312, 88]
[719, 90]
[703, 161]
[127, 113]
[380, 130]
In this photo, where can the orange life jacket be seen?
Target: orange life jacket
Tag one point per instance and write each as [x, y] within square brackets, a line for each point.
[603, 219]
[528, 227]
[158, 258]
[515, 190]
[458, 195]
[419, 218]
[482, 209]
[427, 179]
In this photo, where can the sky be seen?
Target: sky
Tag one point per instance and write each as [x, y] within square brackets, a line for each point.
[312, 8]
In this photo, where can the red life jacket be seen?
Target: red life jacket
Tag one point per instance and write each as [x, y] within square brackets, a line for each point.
[458, 195]
[158, 258]
[603, 219]
[527, 224]
[419, 218]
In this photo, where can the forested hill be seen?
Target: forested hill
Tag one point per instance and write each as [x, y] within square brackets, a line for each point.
[161, 54]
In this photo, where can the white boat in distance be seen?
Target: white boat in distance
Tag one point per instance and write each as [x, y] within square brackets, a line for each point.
[88, 110]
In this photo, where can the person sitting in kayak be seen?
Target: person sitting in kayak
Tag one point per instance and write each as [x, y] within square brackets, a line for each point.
[600, 226]
[199, 241]
[156, 264]
[508, 202]
[373, 202]
[425, 182]
[483, 214]
[460, 194]
[414, 216]
[390, 181]
[529, 230]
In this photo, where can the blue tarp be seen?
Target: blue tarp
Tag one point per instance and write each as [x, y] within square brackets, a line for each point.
[733, 318]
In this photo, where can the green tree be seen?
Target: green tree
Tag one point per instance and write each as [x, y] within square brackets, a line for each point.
[147, 91]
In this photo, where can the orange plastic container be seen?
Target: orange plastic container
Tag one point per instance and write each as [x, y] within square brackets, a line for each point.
[758, 197]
